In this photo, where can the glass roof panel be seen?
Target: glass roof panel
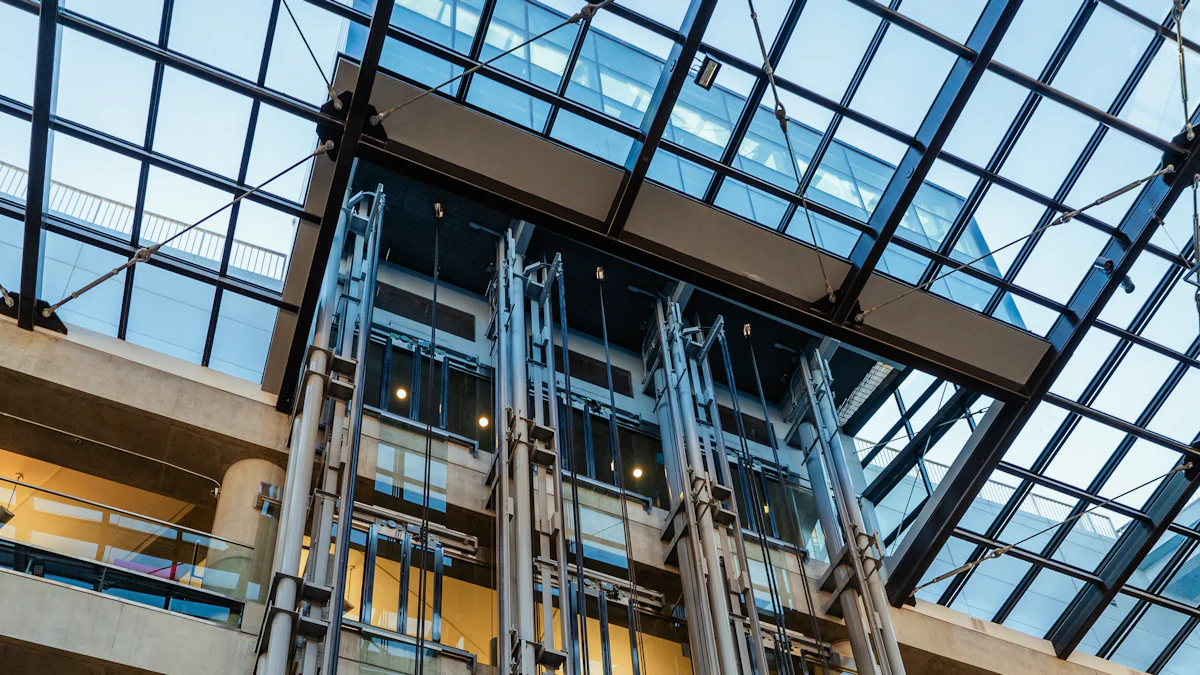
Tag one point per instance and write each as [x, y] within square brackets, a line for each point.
[1108, 622]
[418, 65]
[1092, 351]
[731, 29]
[751, 203]
[1174, 324]
[934, 209]
[290, 69]
[618, 68]
[1090, 538]
[856, 168]
[1033, 525]
[12, 233]
[450, 23]
[952, 18]
[903, 264]
[1043, 603]
[14, 156]
[703, 120]
[985, 119]
[102, 186]
[1048, 147]
[502, 100]
[18, 50]
[592, 138]
[831, 235]
[1146, 463]
[678, 173]
[669, 13]
[1086, 449]
[279, 140]
[989, 586]
[1146, 272]
[1002, 217]
[1155, 104]
[1060, 259]
[902, 80]
[1149, 636]
[1035, 435]
[1109, 47]
[1134, 383]
[201, 123]
[1149, 569]
[542, 62]
[138, 17]
[169, 313]
[1176, 229]
[68, 265]
[174, 202]
[956, 552]
[763, 151]
[1185, 659]
[262, 245]
[833, 33]
[228, 34]
[1035, 33]
[104, 87]
[242, 337]
[1118, 161]
[1026, 314]
[1177, 417]
[1151, 9]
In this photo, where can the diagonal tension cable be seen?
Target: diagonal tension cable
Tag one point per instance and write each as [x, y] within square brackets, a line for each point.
[782, 116]
[1064, 218]
[337, 102]
[146, 252]
[1001, 550]
[1177, 12]
[587, 12]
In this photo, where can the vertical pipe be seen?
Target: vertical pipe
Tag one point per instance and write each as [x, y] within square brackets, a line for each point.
[560, 540]
[522, 517]
[878, 605]
[500, 421]
[726, 654]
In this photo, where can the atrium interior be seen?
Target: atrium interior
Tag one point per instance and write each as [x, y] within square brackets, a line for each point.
[633, 337]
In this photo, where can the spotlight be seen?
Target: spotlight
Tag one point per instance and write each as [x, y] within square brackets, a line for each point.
[483, 422]
[637, 473]
[766, 508]
[401, 393]
[1127, 285]
[707, 74]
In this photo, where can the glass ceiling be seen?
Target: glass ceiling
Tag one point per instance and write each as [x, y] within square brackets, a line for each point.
[1082, 98]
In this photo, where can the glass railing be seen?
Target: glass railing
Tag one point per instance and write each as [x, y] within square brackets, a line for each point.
[86, 544]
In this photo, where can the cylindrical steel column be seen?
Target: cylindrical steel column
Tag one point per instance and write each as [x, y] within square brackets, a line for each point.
[522, 518]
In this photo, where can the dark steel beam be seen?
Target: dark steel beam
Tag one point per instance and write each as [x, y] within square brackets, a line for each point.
[1136, 542]
[934, 429]
[914, 167]
[45, 93]
[347, 149]
[671, 81]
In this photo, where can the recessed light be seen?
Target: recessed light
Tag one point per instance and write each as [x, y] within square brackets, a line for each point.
[637, 473]
[401, 393]
[483, 422]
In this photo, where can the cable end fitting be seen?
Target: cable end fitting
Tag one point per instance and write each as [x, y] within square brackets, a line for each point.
[8, 301]
[46, 312]
[746, 330]
[438, 211]
[325, 147]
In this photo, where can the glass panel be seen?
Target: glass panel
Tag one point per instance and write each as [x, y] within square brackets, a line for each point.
[1176, 228]
[1177, 417]
[902, 264]
[831, 235]
[419, 65]
[678, 173]
[1150, 567]
[964, 289]
[469, 407]
[1099, 633]
[92, 186]
[1122, 307]
[952, 18]
[506, 102]
[1090, 538]
[169, 313]
[1174, 323]
[1060, 259]
[400, 382]
[243, 336]
[1048, 147]
[1118, 161]
[833, 33]
[1135, 381]
[858, 174]
[763, 152]
[1155, 104]
[1083, 453]
[1022, 313]
[400, 472]
[1145, 463]
[1039, 511]
[1035, 435]
[228, 34]
[1093, 350]
[172, 204]
[12, 234]
[542, 62]
[935, 208]
[18, 50]
[732, 30]
[103, 87]
[591, 138]
[1103, 57]
[909, 494]
[1186, 658]
[1148, 638]
[138, 17]
[14, 155]
[646, 474]
[1034, 34]
[703, 120]
[291, 69]
[451, 23]
[1043, 603]
[751, 203]
[618, 68]
[1002, 217]
[669, 14]
[990, 585]
[903, 79]
[69, 265]
[281, 139]
[985, 119]
[201, 123]
[954, 554]
[262, 245]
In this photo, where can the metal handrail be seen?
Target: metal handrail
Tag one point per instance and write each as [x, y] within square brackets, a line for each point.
[174, 526]
[116, 216]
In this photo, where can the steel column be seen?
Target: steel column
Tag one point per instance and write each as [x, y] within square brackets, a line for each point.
[914, 167]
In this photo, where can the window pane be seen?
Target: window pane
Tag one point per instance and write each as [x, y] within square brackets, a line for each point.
[92, 186]
[400, 382]
[833, 33]
[1048, 147]
[1083, 453]
[169, 313]
[618, 68]
[201, 123]
[903, 79]
[291, 69]
[1130, 388]
[1177, 417]
[861, 171]
[1082, 366]
[139, 17]
[1034, 436]
[228, 34]
[1185, 660]
[1155, 102]
[508, 103]
[280, 140]
[1043, 603]
[763, 151]
[69, 265]
[985, 119]
[469, 407]
[1034, 33]
[414, 63]
[14, 155]
[243, 336]
[262, 245]
[1103, 57]
[731, 29]
[104, 87]
[751, 203]
[1146, 463]
[1099, 633]
[831, 235]
[542, 62]
[703, 120]
[990, 585]
[678, 173]
[1148, 637]
[591, 137]
[1174, 323]
[952, 18]
[12, 234]
[451, 23]
[172, 204]
[1119, 160]
[18, 49]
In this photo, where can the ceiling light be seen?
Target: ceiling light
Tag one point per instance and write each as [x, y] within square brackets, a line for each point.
[637, 473]
[483, 422]
[401, 393]
[707, 74]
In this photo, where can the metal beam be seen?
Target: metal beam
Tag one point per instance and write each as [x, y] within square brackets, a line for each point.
[914, 167]
[45, 93]
[347, 152]
[1137, 541]
[670, 83]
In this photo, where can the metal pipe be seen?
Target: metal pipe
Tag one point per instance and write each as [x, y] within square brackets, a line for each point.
[503, 603]
[523, 541]
[726, 652]
[346, 502]
[860, 644]
[859, 539]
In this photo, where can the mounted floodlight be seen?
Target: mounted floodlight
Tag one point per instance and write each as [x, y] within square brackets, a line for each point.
[707, 74]
[1127, 285]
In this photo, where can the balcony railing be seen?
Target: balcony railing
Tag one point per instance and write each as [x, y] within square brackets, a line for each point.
[1051, 510]
[117, 552]
[198, 245]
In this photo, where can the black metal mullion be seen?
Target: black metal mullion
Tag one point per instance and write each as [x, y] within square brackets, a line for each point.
[1173, 646]
[754, 99]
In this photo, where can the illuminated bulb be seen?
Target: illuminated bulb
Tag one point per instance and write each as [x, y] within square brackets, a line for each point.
[401, 393]
[766, 508]
[637, 473]
[483, 422]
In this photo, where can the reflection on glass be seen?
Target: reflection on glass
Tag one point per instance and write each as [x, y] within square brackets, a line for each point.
[262, 246]
[1148, 638]
[12, 240]
[542, 62]
[678, 173]
[243, 336]
[591, 138]
[92, 186]
[1043, 603]
[169, 313]
[18, 47]
[174, 203]
[506, 102]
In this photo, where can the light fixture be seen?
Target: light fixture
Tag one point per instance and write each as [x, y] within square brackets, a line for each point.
[766, 508]
[401, 393]
[637, 473]
[707, 74]
[483, 422]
